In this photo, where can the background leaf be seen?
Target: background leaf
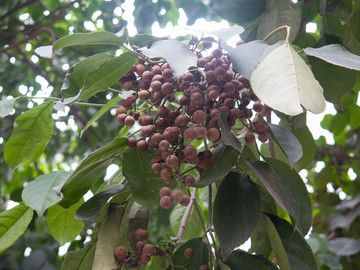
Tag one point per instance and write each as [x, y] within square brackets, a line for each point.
[13, 224]
[39, 194]
[239, 259]
[223, 159]
[62, 223]
[344, 246]
[335, 54]
[137, 170]
[227, 137]
[177, 54]
[6, 106]
[236, 211]
[32, 132]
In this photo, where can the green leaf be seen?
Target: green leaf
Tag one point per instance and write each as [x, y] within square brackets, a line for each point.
[100, 113]
[176, 53]
[276, 243]
[239, 11]
[288, 143]
[62, 223]
[40, 194]
[201, 255]
[337, 55]
[13, 224]
[142, 40]
[144, 184]
[90, 170]
[236, 211]
[227, 137]
[81, 259]
[284, 82]
[93, 38]
[87, 65]
[307, 142]
[240, 259]
[106, 75]
[32, 132]
[193, 226]
[287, 188]
[6, 106]
[91, 209]
[336, 80]
[223, 159]
[344, 246]
[298, 251]
[138, 219]
[330, 261]
[108, 237]
[279, 13]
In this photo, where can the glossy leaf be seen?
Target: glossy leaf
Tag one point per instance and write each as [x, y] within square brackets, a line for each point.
[287, 188]
[337, 55]
[201, 255]
[298, 251]
[40, 193]
[100, 113]
[227, 137]
[344, 246]
[62, 223]
[91, 209]
[13, 224]
[239, 259]
[81, 259]
[236, 211]
[32, 132]
[288, 142]
[239, 11]
[284, 82]
[246, 56]
[223, 159]
[193, 225]
[6, 106]
[177, 54]
[137, 170]
[90, 170]
[308, 146]
[108, 236]
[106, 75]
[276, 14]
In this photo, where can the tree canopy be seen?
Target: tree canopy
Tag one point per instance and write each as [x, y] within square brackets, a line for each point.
[122, 150]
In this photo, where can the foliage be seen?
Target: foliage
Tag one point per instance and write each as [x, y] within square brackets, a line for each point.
[57, 148]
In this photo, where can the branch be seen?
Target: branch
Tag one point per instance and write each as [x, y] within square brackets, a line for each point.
[14, 9]
[187, 214]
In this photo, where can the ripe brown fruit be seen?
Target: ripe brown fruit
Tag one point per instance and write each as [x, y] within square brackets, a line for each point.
[177, 196]
[189, 180]
[167, 88]
[189, 134]
[144, 94]
[263, 137]
[165, 191]
[131, 142]
[142, 146]
[189, 253]
[166, 175]
[199, 116]
[172, 161]
[141, 234]
[165, 202]
[185, 200]
[220, 73]
[206, 44]
[120, 252]
[258, 107]
[156, 168]
[144, 259]
[249, 137]
[261, 128]
[204, 267]
[140, 245]
[148, 249]
[213, 134]
[129, 121]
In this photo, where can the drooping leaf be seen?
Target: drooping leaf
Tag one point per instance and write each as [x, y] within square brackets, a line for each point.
[40, 194]
[106, 75]
[13, 224]
[284, 82]
[236, 211]
[246, 56]
[138, 219]
[344, 246]
[177, 54]
[137, 170]
[89, 170]
[91, 209]
[239, 11]
[81, 259]
[193, 226]
[223, 159]
[287, 188]
[227, 137]
[330, 261]
[335, 80]
[32, 132]
[240, 259]
[100, 113]
[307, 142]
[288, 143]
[108, 236]
[276, 14]
[62, 223]
[337, 55]
[201, 255]
[6, 106]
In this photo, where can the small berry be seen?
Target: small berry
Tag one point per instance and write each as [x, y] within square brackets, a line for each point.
[148, 249]
[249, 137]
[189, 180]
[141, 234]
[185, 200]
[144, 259]
[120, 252]
[204, 267]
[140, 245]
[165, 191]
[165, 202]
[129, 121]
[131, 142]
[189, 253]
[177, 196]
[172, 161]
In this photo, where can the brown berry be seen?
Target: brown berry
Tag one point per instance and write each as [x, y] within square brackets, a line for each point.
[144, 259]
[164, 191]
[120, 252]
[172, 161]
[156, 168]
[177, 195]
[148, 249]
[131, 142]
[249, 137]
[165, 202]
[142, 146]
[189, 253]
[204, 267]
[129, 121]
[185, 200]
[141, 234]
[206, 44]
[140, 245]
[213, 134]
[189, 180]
[199, 116]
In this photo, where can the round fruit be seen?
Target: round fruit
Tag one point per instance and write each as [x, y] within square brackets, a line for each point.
[141, 234]
[120, 252]
[189, 253]
[148, 249]
[177, 196]
[189, 180]
[165, 202]
[165, 191]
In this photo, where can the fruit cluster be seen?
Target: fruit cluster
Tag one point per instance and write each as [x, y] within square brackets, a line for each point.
[180, 110]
